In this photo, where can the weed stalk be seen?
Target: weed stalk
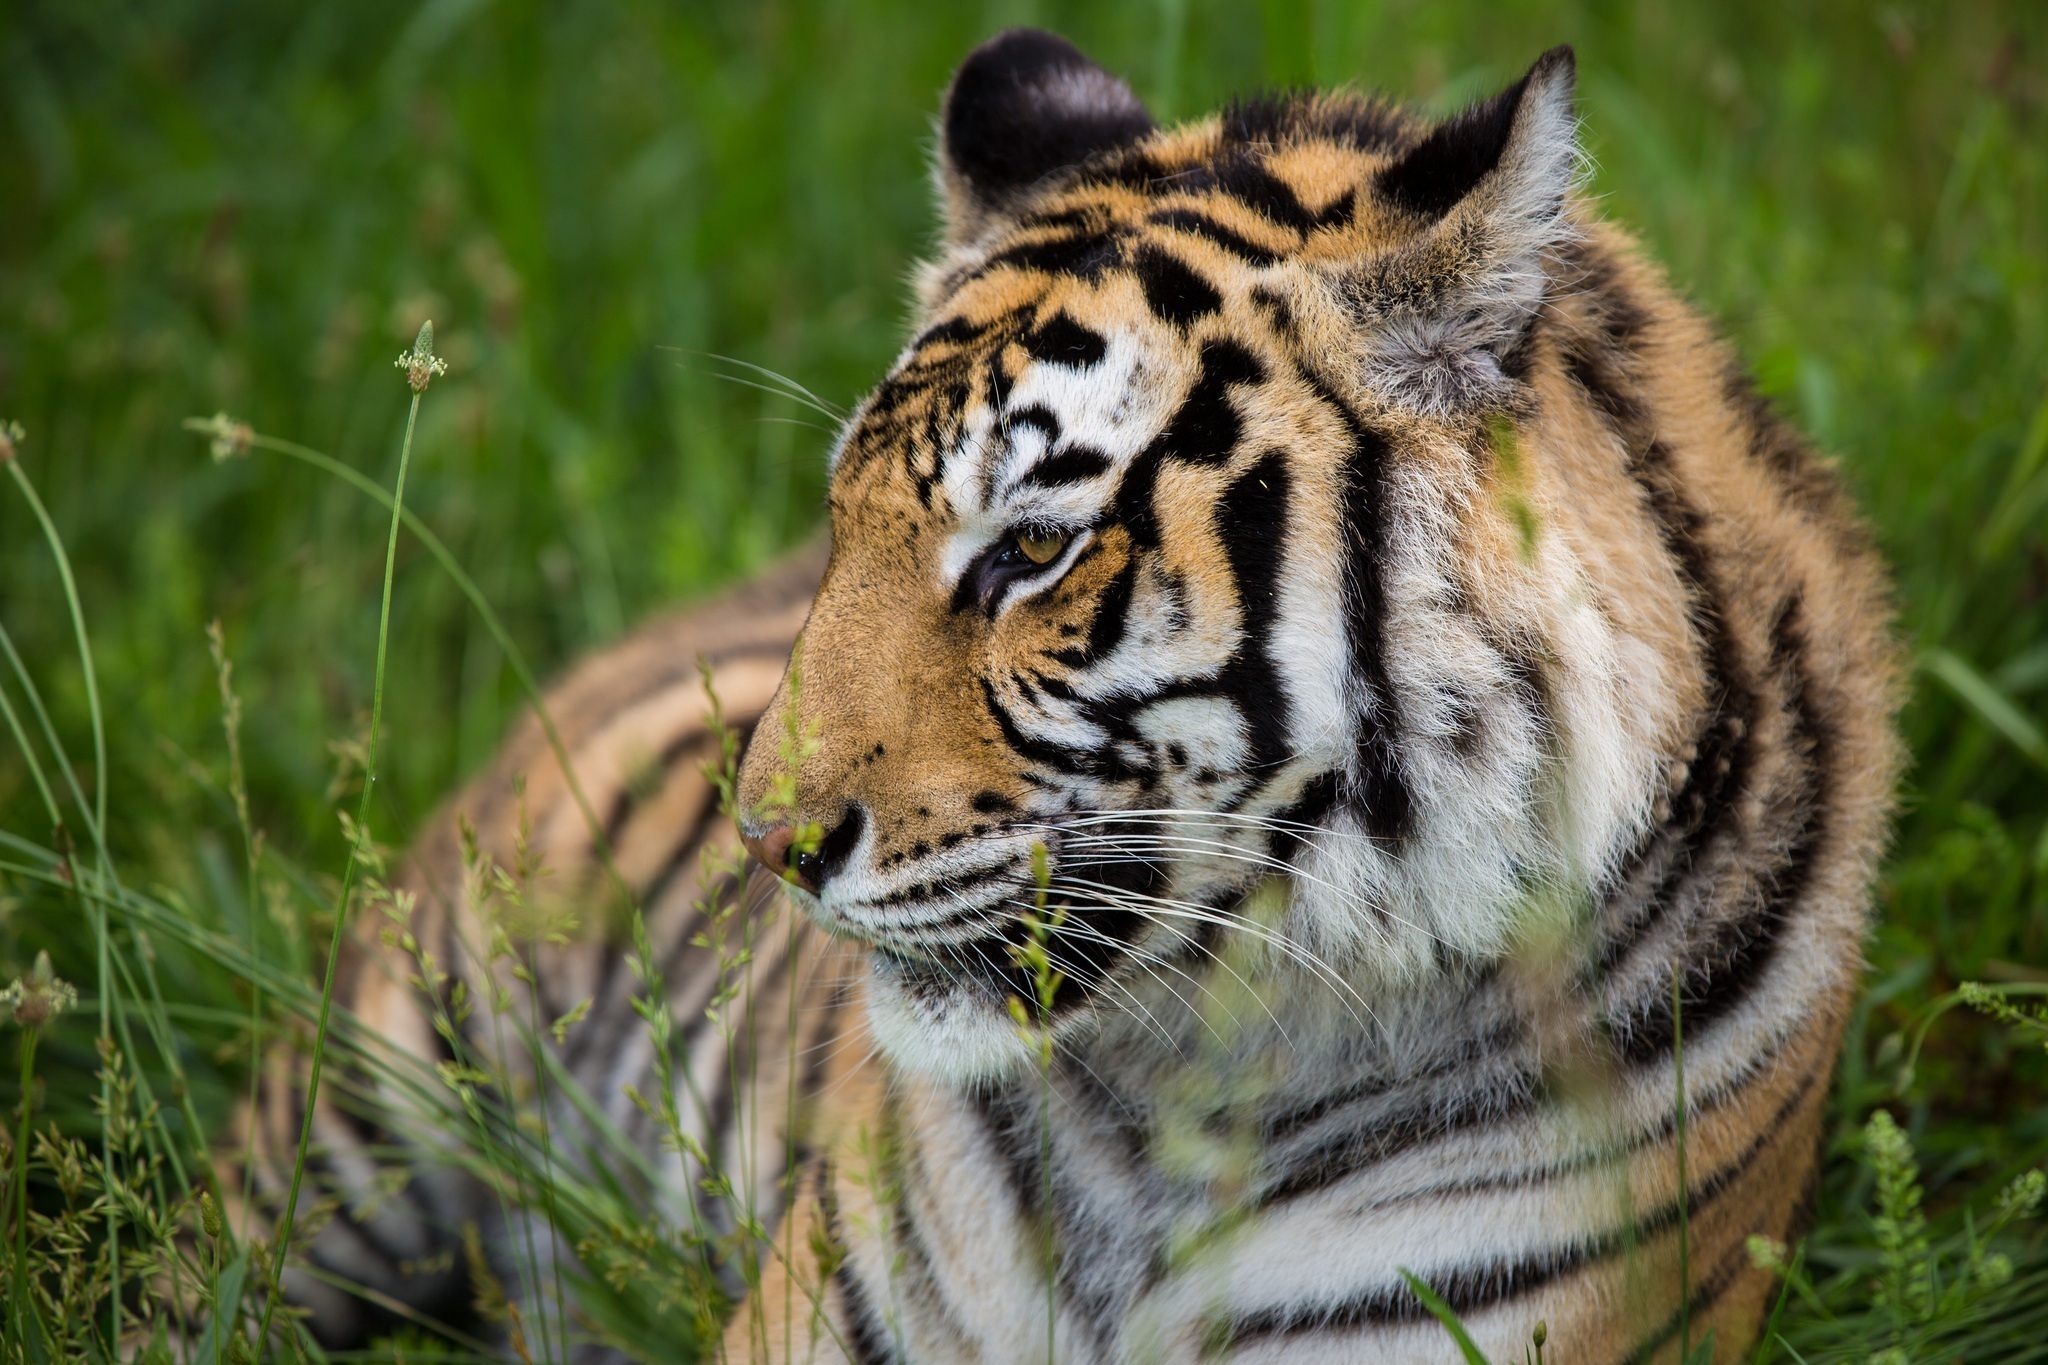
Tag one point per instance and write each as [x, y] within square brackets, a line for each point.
[420, 366]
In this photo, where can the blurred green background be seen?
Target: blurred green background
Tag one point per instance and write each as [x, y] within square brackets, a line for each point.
[251, 208]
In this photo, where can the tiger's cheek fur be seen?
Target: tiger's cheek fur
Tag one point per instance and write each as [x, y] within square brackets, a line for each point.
[890, 735]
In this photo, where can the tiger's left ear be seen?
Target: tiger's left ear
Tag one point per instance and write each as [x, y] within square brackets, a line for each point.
[1443, 312]
[1023, 105]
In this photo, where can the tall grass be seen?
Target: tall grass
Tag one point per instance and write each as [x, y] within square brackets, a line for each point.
[248, 207]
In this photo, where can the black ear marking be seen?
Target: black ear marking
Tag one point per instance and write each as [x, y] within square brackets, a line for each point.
[1024, 104]
[1459, 152]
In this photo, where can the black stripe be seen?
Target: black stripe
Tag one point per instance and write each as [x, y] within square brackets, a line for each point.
[1036, 416]
[1703, 811]
[1174, 290]
[1497, 1041]
[1672, 863]
[865, 1335]
[1272, 118]
[1706, 810]
[1252, 519]
[824, 1037]
[957, 882]
[1808, 481]
[1664, 1130]
[1091, 217]
[601, 1035]
[1721, 972]
[741, 1071]
[654, 779]
[1133, 507]
[1058, 757]
[1204, 430]
[1378, 785]
[1060, 340]
[1246, 179]
[956, 331]
[1705, 1295]
[1133, 170]
[1075, 464]
[1484, 1090]
[1592, 278]
[1112, 616]
[1085, 255]
[1010, 1119]
[1285, 844]
[1203, 226]
[1473, 1288]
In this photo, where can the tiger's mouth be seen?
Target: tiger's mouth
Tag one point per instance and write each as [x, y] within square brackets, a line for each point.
[1052, 949]
[973, 951]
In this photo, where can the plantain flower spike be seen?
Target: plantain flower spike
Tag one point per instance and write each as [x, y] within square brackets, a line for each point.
[227, 438]
[209, 1215]
[420, 364]
[39, 997]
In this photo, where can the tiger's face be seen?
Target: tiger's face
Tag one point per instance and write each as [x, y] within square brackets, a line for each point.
[1106, 637]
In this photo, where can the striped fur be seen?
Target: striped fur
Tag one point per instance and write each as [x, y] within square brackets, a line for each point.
[636, 722]
[1419, 656]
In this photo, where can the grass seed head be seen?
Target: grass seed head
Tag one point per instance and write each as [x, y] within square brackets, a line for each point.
[11, 435]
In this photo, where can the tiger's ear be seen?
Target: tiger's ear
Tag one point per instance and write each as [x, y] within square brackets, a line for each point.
[1024, 104]
[1443, 313]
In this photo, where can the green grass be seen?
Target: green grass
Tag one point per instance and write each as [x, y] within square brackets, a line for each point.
[252, 208]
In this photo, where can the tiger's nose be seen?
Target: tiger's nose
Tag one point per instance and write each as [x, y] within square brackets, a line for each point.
[771, 850]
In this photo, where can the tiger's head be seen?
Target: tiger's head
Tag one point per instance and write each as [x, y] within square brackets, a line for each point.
[1186, 548]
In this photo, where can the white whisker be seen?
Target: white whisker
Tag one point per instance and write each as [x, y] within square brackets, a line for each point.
[1204, 914]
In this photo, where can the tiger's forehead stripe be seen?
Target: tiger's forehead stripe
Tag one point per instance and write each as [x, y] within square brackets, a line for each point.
[1180, 242]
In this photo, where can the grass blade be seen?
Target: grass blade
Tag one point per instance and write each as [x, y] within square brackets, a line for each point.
[1444, 1314]
[1996, 709]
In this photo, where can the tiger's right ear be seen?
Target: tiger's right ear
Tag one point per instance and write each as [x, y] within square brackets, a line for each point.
[1023, 105]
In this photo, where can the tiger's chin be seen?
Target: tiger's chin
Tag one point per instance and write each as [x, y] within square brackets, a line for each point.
[953, 1028]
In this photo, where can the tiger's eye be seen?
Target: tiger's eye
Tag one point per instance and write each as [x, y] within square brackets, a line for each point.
[1041, 548]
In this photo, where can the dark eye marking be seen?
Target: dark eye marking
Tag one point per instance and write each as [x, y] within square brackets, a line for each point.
[1112, 612]
[1036, 416]
[1075, 464]
[1063, 341]
[1021, 553]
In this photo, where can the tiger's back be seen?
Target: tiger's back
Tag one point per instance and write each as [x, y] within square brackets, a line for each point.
[640, 826]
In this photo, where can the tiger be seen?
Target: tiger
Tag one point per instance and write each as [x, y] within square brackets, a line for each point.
[1332, 771]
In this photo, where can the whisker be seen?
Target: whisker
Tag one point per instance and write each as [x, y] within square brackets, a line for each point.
[796, 422]
[1148, 1019]
[789, 388]
[1203, 914]
[1156, 814]
[1147, 958]
[1229, 851]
